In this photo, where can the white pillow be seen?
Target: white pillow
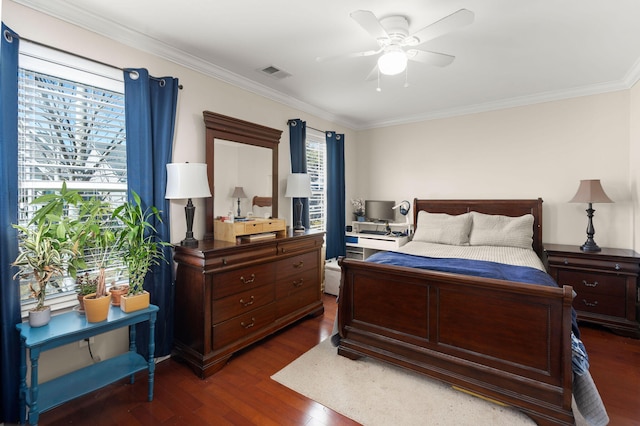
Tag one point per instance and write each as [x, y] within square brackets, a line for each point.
[498, 230]
[442, 228]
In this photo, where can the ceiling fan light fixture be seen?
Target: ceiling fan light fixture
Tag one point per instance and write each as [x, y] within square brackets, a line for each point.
[393, 61]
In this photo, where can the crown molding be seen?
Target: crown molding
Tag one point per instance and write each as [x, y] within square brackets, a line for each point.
[74, 15]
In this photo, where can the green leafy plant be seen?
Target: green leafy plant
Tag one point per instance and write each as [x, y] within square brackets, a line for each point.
[86, 284]
[97, 234]
[49, 245]
[138, 241]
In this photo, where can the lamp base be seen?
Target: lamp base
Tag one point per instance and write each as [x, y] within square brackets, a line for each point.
[590, 246]
[189, 242]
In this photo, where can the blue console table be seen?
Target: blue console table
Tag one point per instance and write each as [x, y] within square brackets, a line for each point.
[68, 328]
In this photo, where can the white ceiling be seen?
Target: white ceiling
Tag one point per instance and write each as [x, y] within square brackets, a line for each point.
[516, 52]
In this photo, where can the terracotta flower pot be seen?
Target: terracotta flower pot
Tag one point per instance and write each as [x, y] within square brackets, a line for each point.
[96, 310]
[81, 303]
[135, 302]
[117, 292]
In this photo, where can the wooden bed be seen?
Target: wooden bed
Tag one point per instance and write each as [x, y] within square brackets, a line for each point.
[506, 341]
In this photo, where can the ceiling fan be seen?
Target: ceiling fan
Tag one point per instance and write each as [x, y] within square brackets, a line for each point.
[397, 45]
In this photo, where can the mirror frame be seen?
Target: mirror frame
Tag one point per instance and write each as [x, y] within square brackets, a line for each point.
[220, 126]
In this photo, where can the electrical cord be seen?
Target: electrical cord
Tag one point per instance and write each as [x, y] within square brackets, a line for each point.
[94, 359]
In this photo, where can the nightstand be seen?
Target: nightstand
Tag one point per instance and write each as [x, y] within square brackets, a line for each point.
[606, 283]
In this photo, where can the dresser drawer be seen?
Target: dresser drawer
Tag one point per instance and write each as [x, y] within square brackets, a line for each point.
[236, 328]
[239, 280]
[240, 303]
[298, 300]
[600, 304]
[294, 283]
[296, 264]
[603, 265]
[239, 257]
[593, 283]
[302, 244]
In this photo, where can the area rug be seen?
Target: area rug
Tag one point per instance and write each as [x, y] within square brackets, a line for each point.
[374, 393]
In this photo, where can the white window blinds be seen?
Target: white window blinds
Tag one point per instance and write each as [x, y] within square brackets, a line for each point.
[71, 127]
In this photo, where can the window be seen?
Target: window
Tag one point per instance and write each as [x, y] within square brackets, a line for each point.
[316, 168]
[71, 127]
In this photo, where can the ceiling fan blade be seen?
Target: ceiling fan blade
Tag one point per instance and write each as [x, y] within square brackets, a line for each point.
[431, 58]
[370, 23]
[348, 55]
[447, 24]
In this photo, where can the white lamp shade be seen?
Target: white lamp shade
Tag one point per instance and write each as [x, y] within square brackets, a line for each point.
[393, 61]
[187, 180]
[298, 185]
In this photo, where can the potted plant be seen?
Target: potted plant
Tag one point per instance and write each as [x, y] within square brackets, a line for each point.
[140, 247]
[85, 285]
[358, 209]
[48, 248]
[98, 236]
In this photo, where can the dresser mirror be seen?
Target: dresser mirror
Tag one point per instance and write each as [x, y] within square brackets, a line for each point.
[243, 166]
[239, 154]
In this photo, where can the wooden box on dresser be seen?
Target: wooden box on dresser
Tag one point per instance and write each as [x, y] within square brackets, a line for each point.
[230, 295]
[605, 282]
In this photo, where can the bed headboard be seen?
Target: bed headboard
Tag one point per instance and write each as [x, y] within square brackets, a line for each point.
[502, 207]
[261, 201]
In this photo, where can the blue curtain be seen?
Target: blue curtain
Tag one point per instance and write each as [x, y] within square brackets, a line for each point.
[298, 148]
[9, 289]
[150, 105]
[336, 244]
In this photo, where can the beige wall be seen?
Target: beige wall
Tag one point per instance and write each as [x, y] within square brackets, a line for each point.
[634, 162]
[535, 151]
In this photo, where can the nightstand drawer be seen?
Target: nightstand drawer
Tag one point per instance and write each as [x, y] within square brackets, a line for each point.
[585, 262]
[593, 283]
[600, 304]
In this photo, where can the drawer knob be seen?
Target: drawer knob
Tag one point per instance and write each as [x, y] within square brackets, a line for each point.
[284, 250]
[224, 261]
[298, 283]
[617, 267]
[251, 324]
[593, 284]
[590, 304]
[247, 303]
[566, 261]
[248, 280]
[299, 265]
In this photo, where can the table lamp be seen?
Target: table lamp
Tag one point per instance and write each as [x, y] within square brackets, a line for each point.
[238, 193]
[590, 191]
[187, 180]
[298, 186]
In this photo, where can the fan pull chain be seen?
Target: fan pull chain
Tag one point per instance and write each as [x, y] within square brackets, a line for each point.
[378, 89]
[406, 77]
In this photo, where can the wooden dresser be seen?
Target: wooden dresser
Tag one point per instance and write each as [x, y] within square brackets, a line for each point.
[605, 282]
[228, 295]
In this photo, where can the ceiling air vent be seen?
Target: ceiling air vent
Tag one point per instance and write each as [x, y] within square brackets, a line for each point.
[274, 72]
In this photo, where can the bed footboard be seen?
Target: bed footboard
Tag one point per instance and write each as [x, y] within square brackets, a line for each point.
[506, 341]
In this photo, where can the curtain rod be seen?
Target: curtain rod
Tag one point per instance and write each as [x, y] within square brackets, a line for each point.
[308, 127]
[57, 49]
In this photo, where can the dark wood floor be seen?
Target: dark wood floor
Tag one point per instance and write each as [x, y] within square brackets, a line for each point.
[242, 393]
